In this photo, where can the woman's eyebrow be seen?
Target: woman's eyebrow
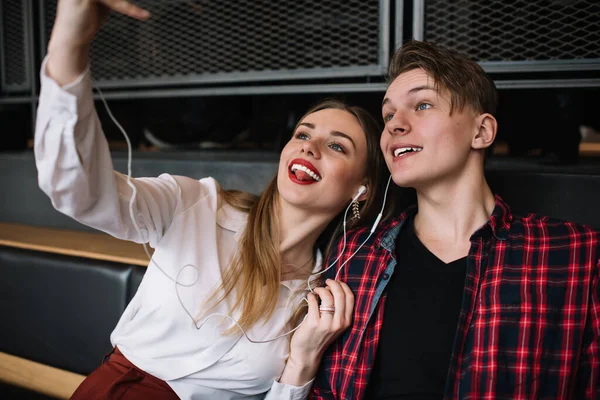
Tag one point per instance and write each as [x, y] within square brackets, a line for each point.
[332, 133]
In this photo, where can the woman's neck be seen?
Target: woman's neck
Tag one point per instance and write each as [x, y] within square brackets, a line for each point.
[298, 233]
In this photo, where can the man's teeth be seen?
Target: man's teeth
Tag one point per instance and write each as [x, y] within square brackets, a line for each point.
[300, 167]
[403, 150]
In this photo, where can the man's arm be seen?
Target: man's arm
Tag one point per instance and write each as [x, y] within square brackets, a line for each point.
[588, 376]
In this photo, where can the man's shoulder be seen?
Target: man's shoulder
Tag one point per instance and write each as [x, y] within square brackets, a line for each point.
[553, 230]
[551, 224]
[376, 234]
[361, 257]
[362, 241]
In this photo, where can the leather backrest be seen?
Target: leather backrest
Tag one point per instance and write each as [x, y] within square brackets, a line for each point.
[60, 310]
[572, 197]
[137, 273]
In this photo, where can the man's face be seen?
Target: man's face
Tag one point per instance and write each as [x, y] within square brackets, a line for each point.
[422, 143]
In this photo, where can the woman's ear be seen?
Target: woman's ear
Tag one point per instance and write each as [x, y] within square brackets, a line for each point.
[487, 127]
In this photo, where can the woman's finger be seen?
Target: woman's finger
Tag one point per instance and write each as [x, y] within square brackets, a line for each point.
[327, 300]
[339, 297]
[126, 8]
[313, 307]
[326, 297]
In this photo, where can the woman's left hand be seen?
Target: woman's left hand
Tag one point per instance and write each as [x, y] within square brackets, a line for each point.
[323, 324]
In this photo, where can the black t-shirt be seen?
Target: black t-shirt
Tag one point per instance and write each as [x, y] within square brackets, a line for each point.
[422, 308]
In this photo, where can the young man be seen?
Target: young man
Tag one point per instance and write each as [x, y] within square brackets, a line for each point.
[457, 298]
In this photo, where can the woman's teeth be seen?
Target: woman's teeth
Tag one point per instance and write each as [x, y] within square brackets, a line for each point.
[310, 173]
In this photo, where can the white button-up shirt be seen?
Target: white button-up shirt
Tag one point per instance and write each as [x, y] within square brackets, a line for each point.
[187, 223]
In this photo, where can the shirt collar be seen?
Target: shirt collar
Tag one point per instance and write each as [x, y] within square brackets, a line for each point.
[500, 220]
[390, 231]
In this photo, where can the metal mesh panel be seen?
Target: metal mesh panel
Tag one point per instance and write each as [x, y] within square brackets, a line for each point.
[521, 33]
[14, 46]
[212, 41]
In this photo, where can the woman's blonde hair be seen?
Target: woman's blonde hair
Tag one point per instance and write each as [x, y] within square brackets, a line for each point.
[254, 274]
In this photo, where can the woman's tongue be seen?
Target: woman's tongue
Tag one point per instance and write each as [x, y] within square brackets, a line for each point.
[303, 176]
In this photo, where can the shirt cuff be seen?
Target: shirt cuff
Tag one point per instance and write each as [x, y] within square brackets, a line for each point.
[288, 392]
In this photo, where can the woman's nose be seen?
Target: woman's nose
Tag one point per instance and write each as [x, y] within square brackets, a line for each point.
[311, 147]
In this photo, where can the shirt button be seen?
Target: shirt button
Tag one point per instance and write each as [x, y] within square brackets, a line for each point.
[385, 277]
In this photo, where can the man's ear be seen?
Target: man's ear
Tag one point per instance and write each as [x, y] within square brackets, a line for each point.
[487, 127]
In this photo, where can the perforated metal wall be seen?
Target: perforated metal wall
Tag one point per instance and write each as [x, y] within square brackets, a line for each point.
[14, 45]
[227, 41]
[516, 35]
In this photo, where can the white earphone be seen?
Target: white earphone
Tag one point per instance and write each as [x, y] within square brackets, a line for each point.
[361, 190]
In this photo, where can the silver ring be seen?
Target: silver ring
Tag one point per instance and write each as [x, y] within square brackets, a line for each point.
[327, 309]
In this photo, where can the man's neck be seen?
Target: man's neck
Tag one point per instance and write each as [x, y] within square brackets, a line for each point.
[450, 212]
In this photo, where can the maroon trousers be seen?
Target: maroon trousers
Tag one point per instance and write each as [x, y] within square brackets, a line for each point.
[117, 378]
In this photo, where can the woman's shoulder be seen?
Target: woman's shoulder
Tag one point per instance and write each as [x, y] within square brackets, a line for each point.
[207, 193]
[186, 192]
[191, 189]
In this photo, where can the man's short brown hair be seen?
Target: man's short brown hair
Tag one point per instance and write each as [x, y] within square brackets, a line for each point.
[466, 81]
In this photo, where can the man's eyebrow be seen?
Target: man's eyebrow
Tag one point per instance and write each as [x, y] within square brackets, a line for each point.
[420, 88]
[411, 91]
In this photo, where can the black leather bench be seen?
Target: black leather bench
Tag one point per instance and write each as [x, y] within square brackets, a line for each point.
[59, 310]
[572, 197]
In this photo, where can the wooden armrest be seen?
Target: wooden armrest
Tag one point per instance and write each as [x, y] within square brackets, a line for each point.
[82, 244]
[589, 148]
[38, 377]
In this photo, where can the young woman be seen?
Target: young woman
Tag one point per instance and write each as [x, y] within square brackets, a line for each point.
[217, 253]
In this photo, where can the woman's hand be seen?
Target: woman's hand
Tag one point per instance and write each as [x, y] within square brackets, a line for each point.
[321, 327]
[77, 23]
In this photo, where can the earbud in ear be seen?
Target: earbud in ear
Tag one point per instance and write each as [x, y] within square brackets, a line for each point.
[361, 190]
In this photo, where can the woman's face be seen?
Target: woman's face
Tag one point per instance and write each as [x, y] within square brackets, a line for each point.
[324, 163]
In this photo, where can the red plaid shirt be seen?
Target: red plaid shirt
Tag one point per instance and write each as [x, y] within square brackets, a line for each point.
[529, 326]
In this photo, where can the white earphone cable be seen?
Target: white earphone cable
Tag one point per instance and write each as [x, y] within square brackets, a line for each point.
[176, 280]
